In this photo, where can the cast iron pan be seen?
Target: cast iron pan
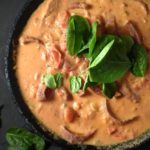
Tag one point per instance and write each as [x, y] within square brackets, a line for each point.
[16, 29]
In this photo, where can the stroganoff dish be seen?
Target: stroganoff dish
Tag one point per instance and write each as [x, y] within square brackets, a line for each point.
[83, 69]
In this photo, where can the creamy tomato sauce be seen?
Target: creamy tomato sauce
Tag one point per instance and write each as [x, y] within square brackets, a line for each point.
[87, 118]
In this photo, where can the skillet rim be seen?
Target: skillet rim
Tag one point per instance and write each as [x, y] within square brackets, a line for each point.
[15, 30]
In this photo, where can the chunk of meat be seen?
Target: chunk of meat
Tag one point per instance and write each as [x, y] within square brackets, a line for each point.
[69, 67]
[101, 28]
[63, 42]
[118, 95]
[80, 5]
[96, 89]
[63, 93]
[62, 20]
[72, 137]
[55, 58]
[44, 93]
[52, 6]
[69, 115]
[134, 32]
[30, 40]
[80, 93]
[111, 25]
[40, 95]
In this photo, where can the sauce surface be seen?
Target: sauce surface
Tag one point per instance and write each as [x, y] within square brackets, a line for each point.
[42, 49]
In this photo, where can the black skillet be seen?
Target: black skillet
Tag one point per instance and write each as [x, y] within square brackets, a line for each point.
[17, 27]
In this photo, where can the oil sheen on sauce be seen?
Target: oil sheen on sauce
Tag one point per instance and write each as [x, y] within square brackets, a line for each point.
[42, 49]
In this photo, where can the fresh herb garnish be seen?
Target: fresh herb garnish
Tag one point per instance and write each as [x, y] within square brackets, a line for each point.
[22, 139]
[78, 32]
[93, 39]
[110, 56]
[53, 81]
[102, 55]
[75, 84]
[140, 60]
[109, 89]
[59, 79]
[128, 42]
[111, 64]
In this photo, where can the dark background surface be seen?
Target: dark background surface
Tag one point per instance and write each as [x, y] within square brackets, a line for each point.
[10, 116]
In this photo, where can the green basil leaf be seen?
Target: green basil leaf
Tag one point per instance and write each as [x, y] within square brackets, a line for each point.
[24, 139]
[110, 67]
[59, 79]
[85, 47]
[39, 143]
[78, 32]
[53, 81]
[71, 37]
[75, 84]
[100, 44]
[92, 41]
[20, 148]
[139, 59]
[109, 89]
[102, 54]
[110, 72]
[50, 81]
[128, 42]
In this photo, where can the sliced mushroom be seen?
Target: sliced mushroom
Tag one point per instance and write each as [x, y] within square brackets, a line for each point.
[80, 5]
[109, 114]
[30, 40]
[72, 137]
[134, 32]
[132, 118]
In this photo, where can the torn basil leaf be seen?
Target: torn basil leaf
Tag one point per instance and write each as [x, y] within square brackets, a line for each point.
[53, 81]
[110, 65]
[128, 42]
[102, 54]
[93, 39]
[139, 59]
[75, 84]
[59, 79]
[78, 33]
[22, 139]
[109, 89]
